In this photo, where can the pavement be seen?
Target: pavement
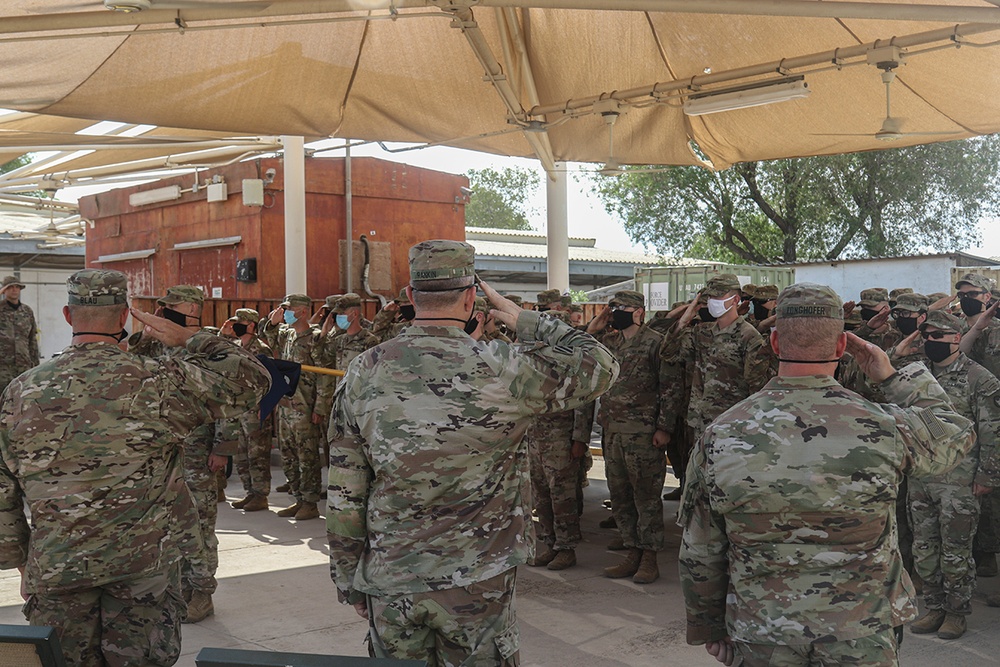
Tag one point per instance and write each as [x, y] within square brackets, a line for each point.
[275, 594]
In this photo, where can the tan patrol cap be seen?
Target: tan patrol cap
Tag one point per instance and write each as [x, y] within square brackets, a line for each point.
[331, 300]
[248, 315]
[349, 300]
[548, 296]
[628, 298]
[97, 287]
[11, 280]
[873, 296]
[911, 301]
[296, 300]
[766, 292]
[809, 300]
[721, 284]
[976, 280]
[513, 298]
[402, 299]
[441, 259]
[940, 319]
[182, 294]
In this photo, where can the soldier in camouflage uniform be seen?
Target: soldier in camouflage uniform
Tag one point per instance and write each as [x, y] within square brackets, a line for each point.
[944, 508]
[343, 349]
[875, 312]
[291, 337]
[427, 465]
[18, 332]
[635, 431]
[789, 547]
[253, 458]
[549, 299]
[109, 512]
[206, 449]
[896, 293]
[720, 360]
[392, 319]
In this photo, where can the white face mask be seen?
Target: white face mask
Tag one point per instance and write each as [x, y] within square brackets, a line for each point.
[717, 307]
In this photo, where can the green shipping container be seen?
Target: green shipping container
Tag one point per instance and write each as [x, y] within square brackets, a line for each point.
[664, 286]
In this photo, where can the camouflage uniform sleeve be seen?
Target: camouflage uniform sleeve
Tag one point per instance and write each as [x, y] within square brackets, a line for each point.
[382, 324]
[212, 379]
[987, 396]
[270, 334]
[675, 355]
[556, 367]
[703, 560]
[935, 438]
[350, 477]
[864, 332]
[756, 366]
[227, 437]
[583, 422]
[665, 415]
[14, 531]
[325, 355]
[33, 342]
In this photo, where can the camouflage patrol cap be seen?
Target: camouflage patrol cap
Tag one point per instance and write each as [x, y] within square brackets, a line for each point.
[441, 260]
[402, 299]
[976, 280]
[937, 296]
[182, 294]
[97, 287]
[482, 306]
[898, 291]
[852, 321]
[628, 298]
[349, 300]
[566, 299]
[248, 315]
[296, 300]
[548, 296]
[944, 321]
[560, 315]
[750, 290]
[11, 280]
[911, 301]
[873, 296]
[766, 292]
[513, 298]
[809, 300]
[331, 300]
[721, 284]
[575, 308]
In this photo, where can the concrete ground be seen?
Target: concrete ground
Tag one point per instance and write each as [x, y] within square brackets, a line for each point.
[275, 594]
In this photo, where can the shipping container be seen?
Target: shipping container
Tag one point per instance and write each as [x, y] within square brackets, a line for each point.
[664, 286]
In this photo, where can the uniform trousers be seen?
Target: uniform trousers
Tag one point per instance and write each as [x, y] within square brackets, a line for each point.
[635, 470]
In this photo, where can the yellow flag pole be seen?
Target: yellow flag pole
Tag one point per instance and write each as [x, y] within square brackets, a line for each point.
[322, 371]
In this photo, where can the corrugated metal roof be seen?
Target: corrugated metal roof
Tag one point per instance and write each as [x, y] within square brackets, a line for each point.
[533, 251]
[931, 255]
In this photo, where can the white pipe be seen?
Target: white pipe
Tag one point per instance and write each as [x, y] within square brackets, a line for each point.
[349, 217]
[884, 11]
[558, 228]
[295, 214]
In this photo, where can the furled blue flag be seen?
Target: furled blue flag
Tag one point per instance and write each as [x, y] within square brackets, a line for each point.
[284, 380]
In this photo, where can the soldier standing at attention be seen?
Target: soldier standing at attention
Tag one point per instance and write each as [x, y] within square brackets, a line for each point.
[18, 332]
[205, 450]
[633, 419]
[288, 332]
[789, 552]
[100, 560]
[253, 458]
[427, 519]
[945, 508]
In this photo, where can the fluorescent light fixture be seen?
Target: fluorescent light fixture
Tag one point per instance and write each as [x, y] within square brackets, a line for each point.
[753, 95]
[209, 243]
[145, 197]
[126, 256]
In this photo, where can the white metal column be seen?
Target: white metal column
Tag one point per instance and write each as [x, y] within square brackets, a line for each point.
[558, 228]
[295, 215]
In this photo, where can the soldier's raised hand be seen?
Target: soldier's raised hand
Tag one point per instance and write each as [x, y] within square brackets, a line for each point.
[908, 345]
[504, 310]
[874, 363]
[162, 329]
[880, 319]
[600, 321]
[849, 307]
[276, 316]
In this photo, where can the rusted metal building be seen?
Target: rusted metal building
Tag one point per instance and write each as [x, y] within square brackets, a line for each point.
[224, 229]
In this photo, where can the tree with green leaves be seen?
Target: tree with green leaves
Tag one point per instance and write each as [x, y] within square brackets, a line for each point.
[500, 197]
[879, 203]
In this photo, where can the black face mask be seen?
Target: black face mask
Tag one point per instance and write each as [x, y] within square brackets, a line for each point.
[13, 305]
[407, 312]
[175, 316]
[759, 311]
[541, 309]
[906, 325]
[971, 305]
[240, 329]
[621, 319]
[937, 350]
[704, 315]
[472, 324]
[868, 313]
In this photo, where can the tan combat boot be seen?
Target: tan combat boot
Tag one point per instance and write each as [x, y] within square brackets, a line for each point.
[953, 627]
[256, 503]
[649, 570]
[928, 623]
[617, 544]
[291, 510]
[627, 567]
[200, 607]
[307, 511]
[240, 504]
[565, 558]
[543, 558]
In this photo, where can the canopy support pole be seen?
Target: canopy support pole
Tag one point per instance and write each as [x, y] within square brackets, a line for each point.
[557, 229]
[295, 214]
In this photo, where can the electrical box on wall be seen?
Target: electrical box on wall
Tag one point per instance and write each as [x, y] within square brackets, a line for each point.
[253, 192]
[217, 192]
[246, 270]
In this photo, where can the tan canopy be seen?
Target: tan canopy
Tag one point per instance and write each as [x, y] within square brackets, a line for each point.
[551, 78]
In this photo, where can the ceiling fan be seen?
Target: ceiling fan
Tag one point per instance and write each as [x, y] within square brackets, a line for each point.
[892, 127]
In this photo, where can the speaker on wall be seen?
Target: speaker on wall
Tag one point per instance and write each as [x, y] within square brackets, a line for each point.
[246, 270]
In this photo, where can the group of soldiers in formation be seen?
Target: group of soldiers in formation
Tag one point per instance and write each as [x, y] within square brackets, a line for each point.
[679, 371]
